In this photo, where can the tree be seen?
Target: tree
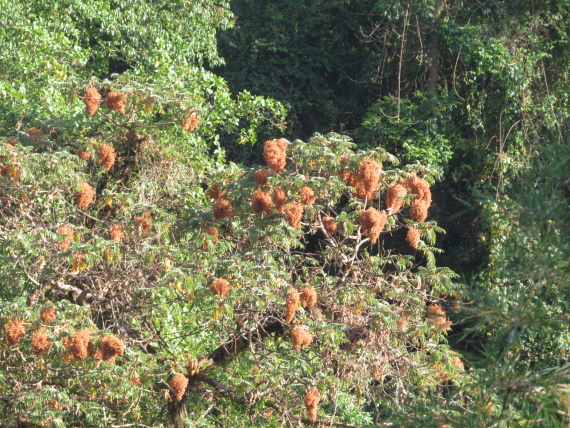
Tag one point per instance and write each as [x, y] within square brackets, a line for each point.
[274, 289]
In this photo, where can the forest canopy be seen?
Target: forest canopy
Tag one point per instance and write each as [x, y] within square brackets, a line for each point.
[253, 213]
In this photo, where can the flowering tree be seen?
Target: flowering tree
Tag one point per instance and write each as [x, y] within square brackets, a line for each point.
[142, 298]
[146, 282]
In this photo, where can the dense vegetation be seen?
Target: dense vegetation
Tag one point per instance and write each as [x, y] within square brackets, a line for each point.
[284, 213]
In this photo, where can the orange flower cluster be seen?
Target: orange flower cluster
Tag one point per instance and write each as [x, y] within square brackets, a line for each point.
[85, 196]
[83, 154]
[220, 287]
[260, 176]
[213, 232]
[143, 224]
[402, 323]
[178, 385]
[191, 122]
[78, 345]
[300, 337]
[11, 143]
[274, 154]
[40, 342]
[294, 214]
[107, 155]
[421, 203]
[292, 302]
[279, 199]
[393, 197]
[68, 240]
[215, 192]
[312, 399]
[307, 196]
[418, 210]
[47, 314]
[372, 222]
[367, 179]
[308, 297]
[437, 314]
[92, 100]
[111, 346]
[329, 224]
[135, 380]
[413, 237]
[34, 133]
[192, 367]
[222, 209]
[262, 203]
[212, 235]
[117, 233]
[458, 363]
[14, 330]
[115, 101]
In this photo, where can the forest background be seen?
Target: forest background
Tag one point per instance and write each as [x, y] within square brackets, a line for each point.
[215, 213]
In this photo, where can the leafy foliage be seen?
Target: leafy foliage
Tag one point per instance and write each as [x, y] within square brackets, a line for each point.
[148, 282]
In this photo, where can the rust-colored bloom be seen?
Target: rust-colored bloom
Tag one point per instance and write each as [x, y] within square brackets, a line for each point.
[413, 237]
[11, 143]
[178, 385]
[35, 134]
[292, 302]
[220, 287]
[107, 156]
[262, 202]
[117, 233]
[92, 99]
[372, 222]
[274, 154]
[191, 122]
[192, 367]
[83, 154]
[85, 196]
[370, 172]
[402, 323]
[300, 337]
[394, 197]
[47, 314]
[260, 176]
[458, 363]
[212, 233]
[308, 297]
[421, 203]
[143, 224]
[294, 214]
[40, 342]
[215, 192]
[14, 330]
[312, 399]
[279, 198]
[437, 314]
[329, 224]
[420, 187]
[419, 209]
[115, 101]
[78, 344]
[222, 209]
[67, 240]
[307, 196]
[111, 346]
[367, 179]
